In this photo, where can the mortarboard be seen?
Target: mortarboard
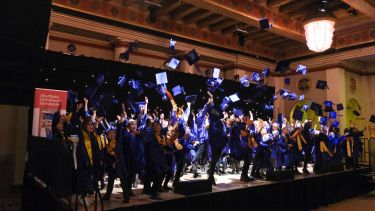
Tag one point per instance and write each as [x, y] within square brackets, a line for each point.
[216, 73]
[244, 80]
[298, 114]
[192, 57]
[340, 107]
[264, 23]
[268, 107]
[323, 120]
[335, 124]
[316, 107]
[121, 81]
[234, 97]
[191, 98]
[225, 103]
[355, 112]
[305, 107]
[172, 43]
[301, 97]
[266, 72]
[328, 106]
[256, 77]
[332, 115]
[321, 84]
[292, 96]
[287, 81]
[282, 66]
[213, 84]
[100, 80]
[161, 90]
[274, 97]
[372, 119]
[173, 63]
[161, 78]
[177, 90]
[237, 112]
[301, 69]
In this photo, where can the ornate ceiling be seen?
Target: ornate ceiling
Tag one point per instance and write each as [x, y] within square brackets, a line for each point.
[215, 21]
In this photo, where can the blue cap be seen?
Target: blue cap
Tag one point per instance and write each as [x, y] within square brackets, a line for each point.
[328, 103]
[323, 120]
[301, 97]
[287, 81]
[292, 96]
[268, 107]
[266, 72]
[335, 124]
[301, 69]
[237, 112]
[225, 103]
[305, 107]
[256, 77]
[332, 115]
[177, 90]
[213, 84]
[274, 97]
[139, 104]
[173, 63]
[244, 80]
[121, 81]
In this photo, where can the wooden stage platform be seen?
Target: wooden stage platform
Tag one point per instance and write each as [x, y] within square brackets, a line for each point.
[305, 192]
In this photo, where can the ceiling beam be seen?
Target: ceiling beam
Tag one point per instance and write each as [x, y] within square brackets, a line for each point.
[184, 13]
[366, 7]
[170, 7]
[274, 41]
[127, 3]
[210, 20]
[277, 3]
[195, 16]
[294, 6]
[250, 18]
[266, 38]
[225, 24]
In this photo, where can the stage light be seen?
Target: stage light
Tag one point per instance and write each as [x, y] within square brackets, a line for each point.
[71, 49]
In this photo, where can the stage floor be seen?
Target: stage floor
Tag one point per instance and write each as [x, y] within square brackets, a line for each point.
[224, 183]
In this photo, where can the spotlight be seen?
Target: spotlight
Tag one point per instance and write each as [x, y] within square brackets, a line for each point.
[71, 49]
[241, 39]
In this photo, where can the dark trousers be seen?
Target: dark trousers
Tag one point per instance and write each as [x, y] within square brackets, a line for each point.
[216, 153]
[246, 164]
[180, 163]
[307, 157]
[156, 183]
[125, 184]
[169, 174]
[202, 149]
[257, 162]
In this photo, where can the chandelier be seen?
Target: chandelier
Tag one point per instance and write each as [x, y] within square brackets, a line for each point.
[319, 26]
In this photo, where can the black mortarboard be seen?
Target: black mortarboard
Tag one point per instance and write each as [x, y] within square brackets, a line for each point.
[266, 72]
[340, 107]
[264, 23]
[282, 66]
[287, 81]
[355, 112]
[316, 107]
[192, 57]
[298, 114]
[372, 118]
[191, 98]
[321, 84]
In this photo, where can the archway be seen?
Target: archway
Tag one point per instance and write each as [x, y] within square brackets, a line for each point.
[352, 106]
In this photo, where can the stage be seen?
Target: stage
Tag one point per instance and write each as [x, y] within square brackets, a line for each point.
[305, 192]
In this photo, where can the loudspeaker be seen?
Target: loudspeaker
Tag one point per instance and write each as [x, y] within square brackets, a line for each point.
[280, 175]
[193, 187]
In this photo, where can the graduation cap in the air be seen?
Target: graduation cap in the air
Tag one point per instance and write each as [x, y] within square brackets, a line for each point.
[320, 84]
[328, 105]
[301, 97]
[332, 115]
[266, 72]
[225, 103]
[177, 90]
[355, 112]
[173, 63]
[191, 98]
[274, 97]
[172, 44]
[136, 88]
[335, 124]
[292, 96]
[237, 112]
[100, 80]
[305, 107]
[287, 81]
[372, 119]
[323, 120]
[282, 66]
[244, 80]
[284, 93]
[256, 77]
[213, 84]
[301, 69]
[264, 23]
[316, 107]
[340, 107]
[297, 114]
[161, 91]
[216, 73]
[234, 97]
[161, 78]
[192, 57]
[121, 81]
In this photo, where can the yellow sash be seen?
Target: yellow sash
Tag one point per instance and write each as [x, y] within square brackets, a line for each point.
[348, 147]
[324, 148]
[86, 139]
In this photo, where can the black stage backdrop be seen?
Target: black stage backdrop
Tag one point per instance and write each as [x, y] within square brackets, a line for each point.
[79, 73]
